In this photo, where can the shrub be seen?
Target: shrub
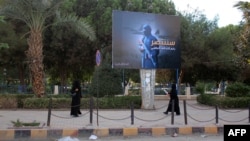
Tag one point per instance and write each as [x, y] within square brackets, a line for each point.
[134, 91]
[105, 82]
[200, 87]
[224, 102]
[238, 90]
[207, 99]
[119, 102]
[28, 101]
[19, 123]
[36, 103]
[8, 101]
[13, 100]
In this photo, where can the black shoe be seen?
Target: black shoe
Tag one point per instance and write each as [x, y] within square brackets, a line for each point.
[178, 114]
[165, 113]
[75, 115]
[79, 113]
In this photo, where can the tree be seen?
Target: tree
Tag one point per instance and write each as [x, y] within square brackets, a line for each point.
[242, 43]
[76, 59]
[34, 14]
[219, 64]
[164, 76]
[11, 32]
[221, 54]
[195, 29]
[106, 82]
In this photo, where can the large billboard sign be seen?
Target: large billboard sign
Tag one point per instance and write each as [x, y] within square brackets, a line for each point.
[145, 41]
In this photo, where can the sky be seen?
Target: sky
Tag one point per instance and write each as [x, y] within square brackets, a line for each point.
[223, 8]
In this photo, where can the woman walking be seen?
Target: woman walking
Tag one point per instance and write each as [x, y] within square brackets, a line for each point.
[76, 98]
[173, 97]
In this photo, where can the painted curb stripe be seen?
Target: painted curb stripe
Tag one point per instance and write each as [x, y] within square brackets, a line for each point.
[10, 134]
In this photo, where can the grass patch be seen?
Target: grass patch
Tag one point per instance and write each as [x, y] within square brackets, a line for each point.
[19, 123]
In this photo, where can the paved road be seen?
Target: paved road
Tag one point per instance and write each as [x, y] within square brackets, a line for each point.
[164, 138]
[142, 138]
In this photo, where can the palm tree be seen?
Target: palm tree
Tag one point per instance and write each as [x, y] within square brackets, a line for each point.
[244, 6]
[34, 14]
[242, 46]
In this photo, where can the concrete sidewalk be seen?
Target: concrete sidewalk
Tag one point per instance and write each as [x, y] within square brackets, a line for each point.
[200, 119]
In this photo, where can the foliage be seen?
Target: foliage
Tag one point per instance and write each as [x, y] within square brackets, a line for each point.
[19, 123]
[8, 101]
[106, 81]
[242, 42]
[75, 59]
[202, 44]
[13, 100]
[195, 29]
[220, 66]
[134, 92]
[36, 103]
[247, 80]
[207, 99]
[1, 18]
[34, 14]
[119, 102]
[4, 45]
[11, 32]
[200, 87]
[76, 52]
[238, 89]
[207, 51]
[163, 76]
[224, 102]
[63, 102]
[58, 102]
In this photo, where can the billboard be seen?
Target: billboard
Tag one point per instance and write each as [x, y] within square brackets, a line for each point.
[145, 40]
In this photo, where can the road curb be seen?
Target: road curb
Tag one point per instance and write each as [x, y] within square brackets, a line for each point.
[10, 134]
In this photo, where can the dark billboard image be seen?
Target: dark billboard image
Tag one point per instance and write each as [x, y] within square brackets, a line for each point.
[145, 40]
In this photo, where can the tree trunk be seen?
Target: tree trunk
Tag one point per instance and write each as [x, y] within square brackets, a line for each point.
[148, 88]
[35, 57]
